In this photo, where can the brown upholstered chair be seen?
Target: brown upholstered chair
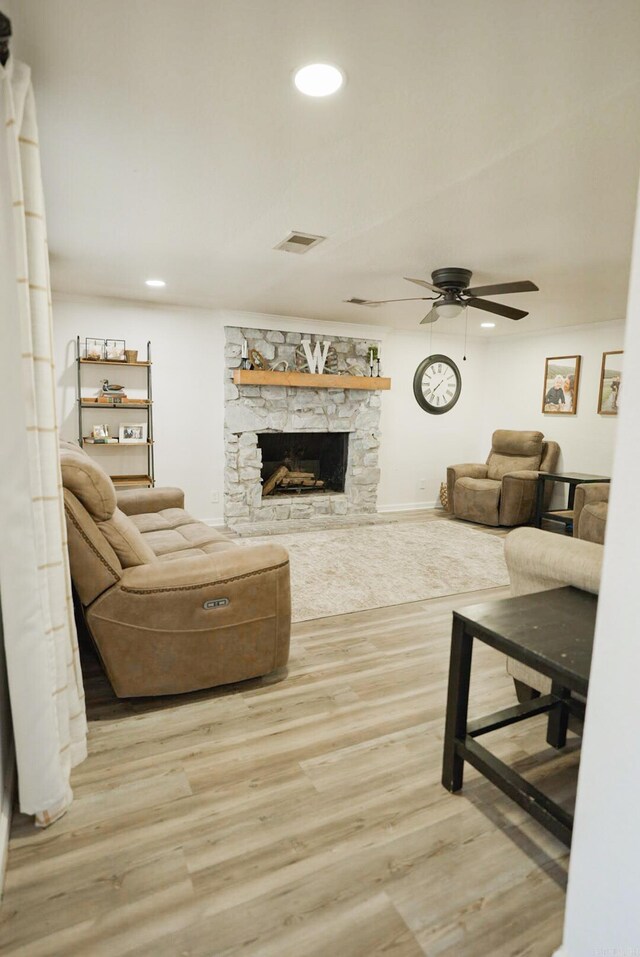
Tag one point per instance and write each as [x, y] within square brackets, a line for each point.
[590, 512]
[503, 492]
[170, 603]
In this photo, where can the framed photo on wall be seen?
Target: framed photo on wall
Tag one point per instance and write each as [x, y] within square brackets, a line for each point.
[561, 381]
[610, 383]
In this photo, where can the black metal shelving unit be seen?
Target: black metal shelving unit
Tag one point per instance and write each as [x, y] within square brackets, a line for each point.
[146, 480]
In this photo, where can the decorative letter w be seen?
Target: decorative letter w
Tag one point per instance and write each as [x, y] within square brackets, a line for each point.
[318, 357]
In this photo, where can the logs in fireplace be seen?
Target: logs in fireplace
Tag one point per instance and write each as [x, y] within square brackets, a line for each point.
[302, 462]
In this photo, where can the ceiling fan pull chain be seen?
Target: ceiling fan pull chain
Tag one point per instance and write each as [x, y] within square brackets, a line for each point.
[466, 323]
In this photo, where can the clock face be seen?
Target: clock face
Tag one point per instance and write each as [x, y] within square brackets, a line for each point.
[437, 384]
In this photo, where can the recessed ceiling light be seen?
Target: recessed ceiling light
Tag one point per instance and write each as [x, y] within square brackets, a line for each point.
[318, 79]
[155, 283]
[488, 325]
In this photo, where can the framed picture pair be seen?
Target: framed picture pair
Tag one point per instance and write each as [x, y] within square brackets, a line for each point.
[128, 433]
[562, 381]
[105, 350]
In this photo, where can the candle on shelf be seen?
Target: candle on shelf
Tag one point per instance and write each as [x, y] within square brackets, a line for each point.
[245, 349]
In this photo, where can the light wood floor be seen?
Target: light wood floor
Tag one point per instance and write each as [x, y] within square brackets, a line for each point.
[301, 816]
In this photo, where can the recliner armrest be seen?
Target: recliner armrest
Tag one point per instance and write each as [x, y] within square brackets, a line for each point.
[466, 470]
[539, 560]
[525, 475]
[138, 501]
[180, 574]
[587, 495]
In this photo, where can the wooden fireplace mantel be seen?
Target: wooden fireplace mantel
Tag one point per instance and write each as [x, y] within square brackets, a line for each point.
[308, 380]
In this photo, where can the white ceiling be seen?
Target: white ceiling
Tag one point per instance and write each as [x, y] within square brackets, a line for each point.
[497, 135]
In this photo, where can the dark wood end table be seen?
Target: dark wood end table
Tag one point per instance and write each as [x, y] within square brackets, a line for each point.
[571, 479]
[552, 632]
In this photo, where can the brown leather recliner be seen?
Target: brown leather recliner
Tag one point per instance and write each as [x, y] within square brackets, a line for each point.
[170, 603]
[590, 509]
[503, 492]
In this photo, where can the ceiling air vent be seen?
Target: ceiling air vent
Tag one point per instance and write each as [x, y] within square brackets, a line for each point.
[299, 242]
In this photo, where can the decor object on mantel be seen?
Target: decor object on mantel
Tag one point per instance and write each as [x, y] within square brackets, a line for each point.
[453, 294]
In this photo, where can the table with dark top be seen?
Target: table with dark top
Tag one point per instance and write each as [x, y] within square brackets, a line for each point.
[569, 478]
[552, 632]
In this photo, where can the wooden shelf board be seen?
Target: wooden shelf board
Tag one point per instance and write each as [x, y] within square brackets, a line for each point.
[112, 362]
[307, 380]
[133, 480]
[114, 445]
[87, 404]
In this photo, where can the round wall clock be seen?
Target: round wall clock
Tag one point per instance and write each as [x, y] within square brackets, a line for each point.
[437, 384]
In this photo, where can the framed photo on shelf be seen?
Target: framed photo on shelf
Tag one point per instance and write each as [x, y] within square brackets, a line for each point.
[133, 433]
[561, 381]
[94, 349]
[115, 350]
[610, 382]
[100, 432]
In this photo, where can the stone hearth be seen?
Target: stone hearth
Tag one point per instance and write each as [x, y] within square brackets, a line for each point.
[252, 409]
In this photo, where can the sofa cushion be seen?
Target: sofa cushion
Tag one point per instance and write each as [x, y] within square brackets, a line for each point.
[173, 533]
[126, 541]
[89, 483]
[477, 500]
[499, 464]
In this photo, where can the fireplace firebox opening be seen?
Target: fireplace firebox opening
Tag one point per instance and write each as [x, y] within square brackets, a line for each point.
[302, 462]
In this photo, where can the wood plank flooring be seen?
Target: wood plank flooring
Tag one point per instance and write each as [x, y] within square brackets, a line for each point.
[298, 815]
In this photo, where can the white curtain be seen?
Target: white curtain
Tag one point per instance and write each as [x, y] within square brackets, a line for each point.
[45, 681]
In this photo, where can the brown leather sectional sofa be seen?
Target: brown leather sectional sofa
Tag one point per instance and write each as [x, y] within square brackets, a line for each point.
[171, 604]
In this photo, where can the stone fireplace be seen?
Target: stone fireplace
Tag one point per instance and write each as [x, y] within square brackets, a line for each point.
[326, 440]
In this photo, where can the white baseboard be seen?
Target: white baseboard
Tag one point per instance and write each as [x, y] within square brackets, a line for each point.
[408, 507]
[562, 952]
[6, 807]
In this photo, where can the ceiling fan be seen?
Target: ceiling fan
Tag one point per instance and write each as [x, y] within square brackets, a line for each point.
[451, 285]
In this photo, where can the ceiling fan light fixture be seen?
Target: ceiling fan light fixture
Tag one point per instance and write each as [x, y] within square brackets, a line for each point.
[448, 310]
[318, 79]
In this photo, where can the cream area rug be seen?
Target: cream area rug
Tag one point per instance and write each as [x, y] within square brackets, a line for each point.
[335, 571]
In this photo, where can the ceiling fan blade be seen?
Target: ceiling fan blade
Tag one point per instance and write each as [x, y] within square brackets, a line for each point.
[431, 316]
[381, 302]
[502, 287]
[498, 308]
[427, 285]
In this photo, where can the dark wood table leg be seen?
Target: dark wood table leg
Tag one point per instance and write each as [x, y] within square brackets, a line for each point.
[571, 497]
[457, 704]
[537, 520]
[558, 719]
